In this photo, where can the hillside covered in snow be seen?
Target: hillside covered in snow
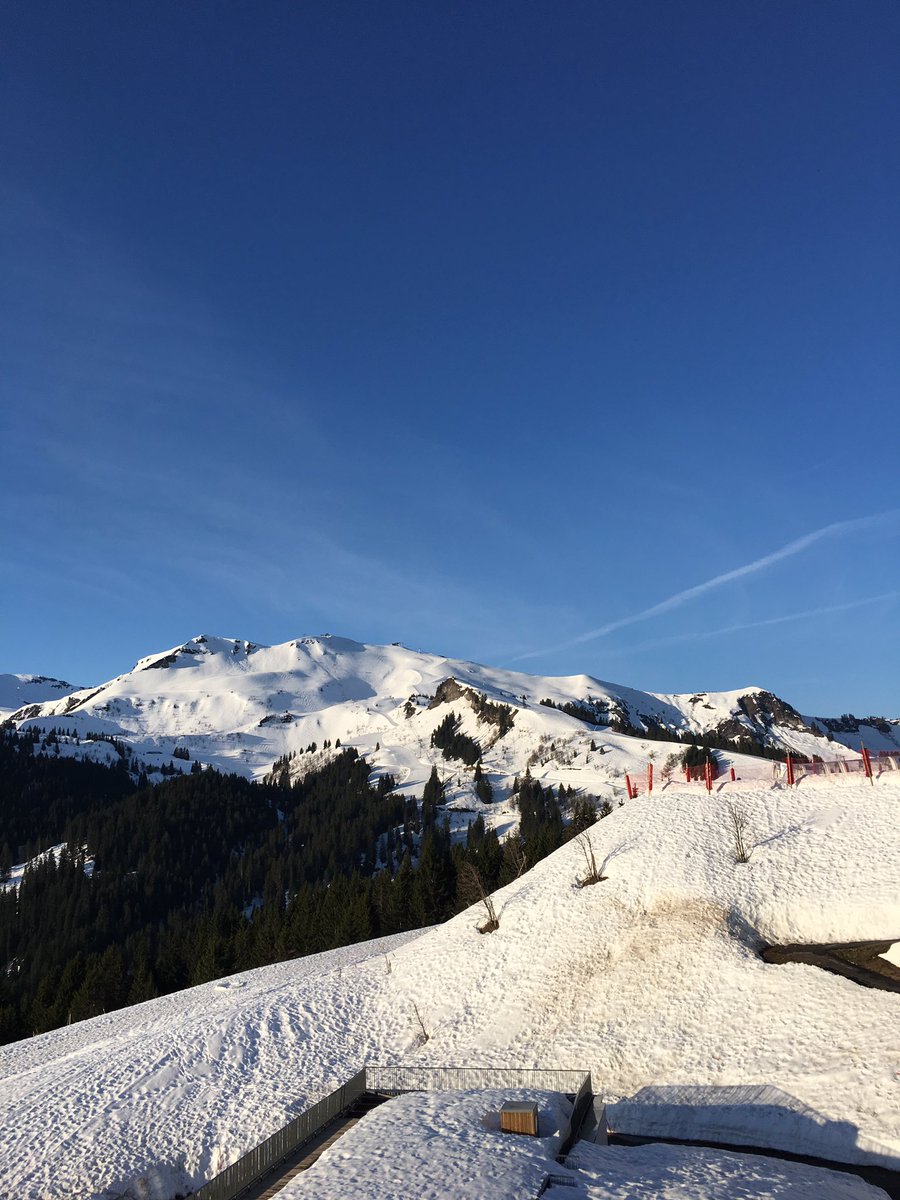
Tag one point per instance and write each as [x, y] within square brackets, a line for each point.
[652, 979]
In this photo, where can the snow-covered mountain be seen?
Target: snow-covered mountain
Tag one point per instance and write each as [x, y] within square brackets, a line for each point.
[242, 706]
[18, 691]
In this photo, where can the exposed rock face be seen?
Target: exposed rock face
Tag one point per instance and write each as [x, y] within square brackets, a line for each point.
[759, 712]
[160, 664]
[768, 708]
[487, 711]
[69, 704]
[447, 691]
[848, 723]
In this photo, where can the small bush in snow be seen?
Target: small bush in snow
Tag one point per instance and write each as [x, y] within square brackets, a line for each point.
[738, 823]
[474, 890]
[422, 1034]
[593, 873]
[668, 769]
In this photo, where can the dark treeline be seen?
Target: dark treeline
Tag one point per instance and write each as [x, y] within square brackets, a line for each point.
[40, 792]
[164, 886]
[449, 738]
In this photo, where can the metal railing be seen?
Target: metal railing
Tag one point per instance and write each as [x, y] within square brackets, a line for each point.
[252, 1166]
[448, 1079]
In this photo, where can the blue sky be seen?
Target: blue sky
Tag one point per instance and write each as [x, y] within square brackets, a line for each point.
[557, 335]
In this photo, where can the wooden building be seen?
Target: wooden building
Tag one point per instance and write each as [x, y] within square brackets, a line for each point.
[519, 1118]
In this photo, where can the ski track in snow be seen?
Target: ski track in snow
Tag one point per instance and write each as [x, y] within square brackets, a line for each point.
[219, 1068]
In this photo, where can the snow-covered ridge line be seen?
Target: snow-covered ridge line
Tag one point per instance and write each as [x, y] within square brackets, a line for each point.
[241, 706]
[17, 691]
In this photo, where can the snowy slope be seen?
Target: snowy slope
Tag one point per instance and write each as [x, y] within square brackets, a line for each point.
[18, 691]
[650, 979]
[241, 706]
[161, 1095]
[877, 733]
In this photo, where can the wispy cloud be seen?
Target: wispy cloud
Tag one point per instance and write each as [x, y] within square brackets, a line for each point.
[835, 529]
[806, 614]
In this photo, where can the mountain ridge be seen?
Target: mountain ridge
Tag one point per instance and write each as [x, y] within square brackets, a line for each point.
[242, 706]
[17, 691]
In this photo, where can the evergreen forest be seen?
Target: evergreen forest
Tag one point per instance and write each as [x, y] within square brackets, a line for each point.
[153, 887]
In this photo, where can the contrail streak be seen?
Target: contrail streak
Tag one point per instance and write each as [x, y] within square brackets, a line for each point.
[836, 529]
[675, 639]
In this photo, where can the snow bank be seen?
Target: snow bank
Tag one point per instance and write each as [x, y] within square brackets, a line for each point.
[430, 1146]
[653, 977]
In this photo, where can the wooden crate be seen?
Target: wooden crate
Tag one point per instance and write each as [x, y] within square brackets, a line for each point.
[519, 1118]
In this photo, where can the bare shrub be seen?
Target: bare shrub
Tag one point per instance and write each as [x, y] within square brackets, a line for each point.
[593, 873]
[515, 858]
[422, 1034]
[738, 823]
[474, 891]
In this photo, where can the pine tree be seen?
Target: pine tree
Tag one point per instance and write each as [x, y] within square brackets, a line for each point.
[483, 789]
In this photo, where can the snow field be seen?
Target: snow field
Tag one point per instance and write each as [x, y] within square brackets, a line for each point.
[154, 1099]
[650, 979]
[18, 690]
[429, 1147]
[677, 1172]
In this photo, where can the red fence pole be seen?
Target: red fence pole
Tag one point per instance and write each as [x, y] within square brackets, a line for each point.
[709, 776]
[733, 776]
[790, 772]
[867, 763]
[628, 787]
[649, 778]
